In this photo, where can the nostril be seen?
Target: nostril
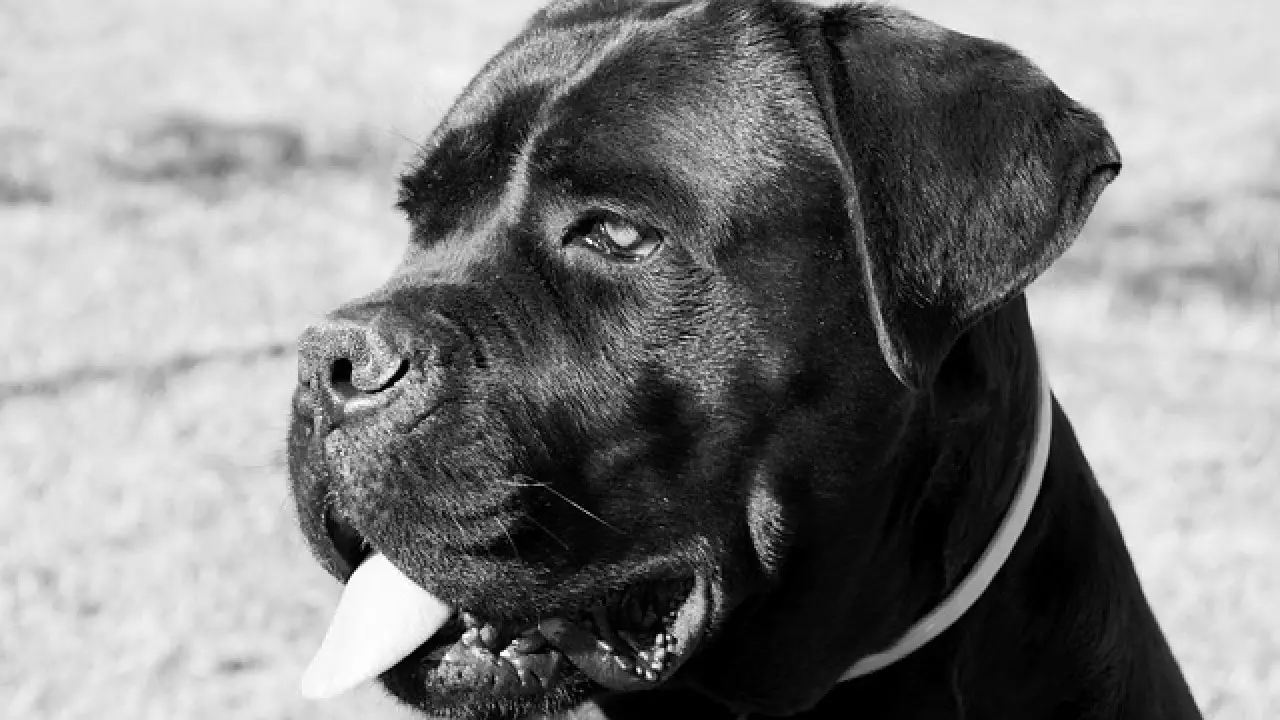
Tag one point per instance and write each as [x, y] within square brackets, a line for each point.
[340, 373]
[351, 365]
[356, 395]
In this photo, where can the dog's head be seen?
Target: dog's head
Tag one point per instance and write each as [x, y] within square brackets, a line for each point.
[677, 275]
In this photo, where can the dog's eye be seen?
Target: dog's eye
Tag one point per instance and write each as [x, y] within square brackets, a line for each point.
[616, 238]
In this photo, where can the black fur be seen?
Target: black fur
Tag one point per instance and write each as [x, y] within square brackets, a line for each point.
[817, 393]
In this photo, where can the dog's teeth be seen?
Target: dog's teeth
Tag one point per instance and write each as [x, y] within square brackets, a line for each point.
[650, 675]
[489, 635]
[470, 620]
[471, 636]
[530, 642]
[624, 662]
[528, 679]
[631, 640]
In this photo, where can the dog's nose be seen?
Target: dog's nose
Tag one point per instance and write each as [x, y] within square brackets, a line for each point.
[351, 362]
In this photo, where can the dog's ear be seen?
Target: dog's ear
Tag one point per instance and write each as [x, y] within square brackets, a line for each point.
[968, 171]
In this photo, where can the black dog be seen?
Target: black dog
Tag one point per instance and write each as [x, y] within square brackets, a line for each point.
[707, 374]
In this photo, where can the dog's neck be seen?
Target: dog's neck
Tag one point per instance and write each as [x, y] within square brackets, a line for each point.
[1064, 622]
[993, 557]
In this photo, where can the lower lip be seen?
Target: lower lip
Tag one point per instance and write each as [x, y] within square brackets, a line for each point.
[509, 674]
[470, 666]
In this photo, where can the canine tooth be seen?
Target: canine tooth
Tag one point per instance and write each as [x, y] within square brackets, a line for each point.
[470, 620]
[471, 636]
[490, 636]
[650, 675]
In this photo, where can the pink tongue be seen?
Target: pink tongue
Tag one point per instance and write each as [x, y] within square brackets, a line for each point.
[382, 617]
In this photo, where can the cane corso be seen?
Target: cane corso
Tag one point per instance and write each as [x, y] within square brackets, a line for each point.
[707, 374]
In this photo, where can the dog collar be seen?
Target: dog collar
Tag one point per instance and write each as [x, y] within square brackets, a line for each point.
[993, 558]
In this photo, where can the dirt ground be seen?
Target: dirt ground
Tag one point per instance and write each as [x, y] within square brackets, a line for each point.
[185, 184]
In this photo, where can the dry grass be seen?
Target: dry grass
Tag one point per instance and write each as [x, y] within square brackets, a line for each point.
[183, 185]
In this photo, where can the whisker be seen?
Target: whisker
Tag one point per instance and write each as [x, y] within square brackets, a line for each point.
[510, 540]
[461, 533]
[563, 544]
[533, 483]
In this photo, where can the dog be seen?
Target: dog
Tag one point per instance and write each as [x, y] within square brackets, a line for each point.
[707, 386]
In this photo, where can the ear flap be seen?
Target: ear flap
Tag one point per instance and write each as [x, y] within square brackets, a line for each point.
[968, 171]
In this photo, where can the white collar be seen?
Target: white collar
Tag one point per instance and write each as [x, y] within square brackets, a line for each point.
[968, 592]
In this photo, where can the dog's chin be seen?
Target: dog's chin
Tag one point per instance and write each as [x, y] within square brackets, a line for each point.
[631, 639]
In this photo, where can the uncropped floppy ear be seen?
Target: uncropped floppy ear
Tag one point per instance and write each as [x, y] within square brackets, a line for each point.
[968, 171]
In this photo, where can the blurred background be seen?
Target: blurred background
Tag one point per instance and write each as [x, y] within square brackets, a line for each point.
[185, 184]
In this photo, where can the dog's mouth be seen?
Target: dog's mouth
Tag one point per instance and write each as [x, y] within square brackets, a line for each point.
[630, 638]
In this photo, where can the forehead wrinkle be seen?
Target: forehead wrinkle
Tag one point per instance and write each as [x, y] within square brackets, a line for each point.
[540, 57]
[626, 30]
[625, 33]
[537, 58]
[752, 78]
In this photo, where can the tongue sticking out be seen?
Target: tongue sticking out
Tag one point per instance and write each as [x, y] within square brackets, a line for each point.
[382, 617]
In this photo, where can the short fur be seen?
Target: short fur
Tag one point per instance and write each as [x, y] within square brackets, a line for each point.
[817, 393]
